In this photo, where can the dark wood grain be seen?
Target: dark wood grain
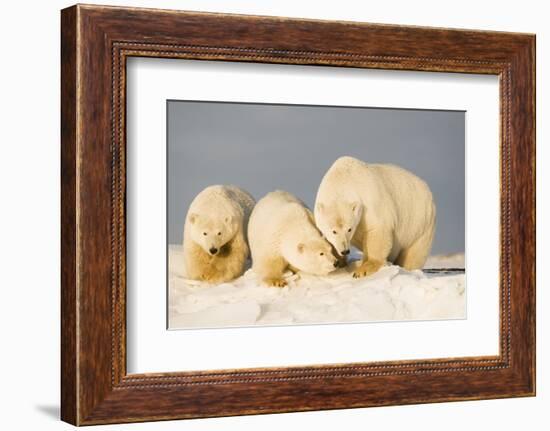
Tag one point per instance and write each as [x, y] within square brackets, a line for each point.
[69, 366]
[96, 41]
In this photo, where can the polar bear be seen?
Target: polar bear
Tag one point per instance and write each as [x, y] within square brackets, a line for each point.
[385, 211]
[214, 236]
[283, 235]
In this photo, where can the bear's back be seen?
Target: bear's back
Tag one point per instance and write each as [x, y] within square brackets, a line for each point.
[412, 199]
[276, 212]
[242, 197]
[340, 177]
[210, 195]
[228, 199]
[284, 205]
[405, 186]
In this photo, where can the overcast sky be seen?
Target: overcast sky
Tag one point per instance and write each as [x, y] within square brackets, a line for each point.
[262, 147]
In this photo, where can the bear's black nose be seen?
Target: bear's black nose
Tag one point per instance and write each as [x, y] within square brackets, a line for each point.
[335, 264]
[213, 250]
[345, 252]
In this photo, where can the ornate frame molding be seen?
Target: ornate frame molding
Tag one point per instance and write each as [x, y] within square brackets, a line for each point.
[96, 41]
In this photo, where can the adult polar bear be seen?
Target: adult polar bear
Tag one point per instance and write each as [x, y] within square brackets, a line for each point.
[383, 210]
[214, 236]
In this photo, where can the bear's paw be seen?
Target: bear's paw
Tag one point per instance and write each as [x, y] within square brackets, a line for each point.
[367, 268]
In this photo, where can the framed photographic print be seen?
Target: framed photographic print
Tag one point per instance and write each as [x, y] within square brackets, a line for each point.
[217, 142]
[265, 214]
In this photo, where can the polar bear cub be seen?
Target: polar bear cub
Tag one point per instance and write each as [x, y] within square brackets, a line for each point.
[283, 235]
[214, 236]
[385, 211]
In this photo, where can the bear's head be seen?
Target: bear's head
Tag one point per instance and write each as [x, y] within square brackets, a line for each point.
[212, 232]
[312, 254]
[338, 221]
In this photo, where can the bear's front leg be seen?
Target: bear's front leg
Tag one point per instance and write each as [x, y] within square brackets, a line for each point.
[275, 282]
[271, 271]
[196, 261]
[367, 268]
[211, 274]
[377, 245]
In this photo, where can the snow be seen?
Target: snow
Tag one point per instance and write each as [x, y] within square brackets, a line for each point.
[390, 294]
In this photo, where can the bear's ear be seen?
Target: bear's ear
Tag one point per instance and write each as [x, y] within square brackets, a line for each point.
[193, 218]
[301, 247]
[228, 219]
[355, 207]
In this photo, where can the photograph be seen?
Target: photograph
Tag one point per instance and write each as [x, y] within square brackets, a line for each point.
[286, 214]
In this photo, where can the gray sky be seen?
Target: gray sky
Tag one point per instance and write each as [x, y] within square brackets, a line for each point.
[262, 147]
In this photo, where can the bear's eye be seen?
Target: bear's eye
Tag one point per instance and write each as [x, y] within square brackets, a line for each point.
[204, 233]
[334, 232]
[349, 230]
[219, 233]
[321, 254]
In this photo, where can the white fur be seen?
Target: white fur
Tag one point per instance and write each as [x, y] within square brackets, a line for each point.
[214, 237]
[282, 234]
[384, 210]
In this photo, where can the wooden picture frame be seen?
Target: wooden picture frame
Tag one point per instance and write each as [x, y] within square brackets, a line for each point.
[95, 43]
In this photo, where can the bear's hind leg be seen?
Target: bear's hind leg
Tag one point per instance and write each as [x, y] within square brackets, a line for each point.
[414, 257]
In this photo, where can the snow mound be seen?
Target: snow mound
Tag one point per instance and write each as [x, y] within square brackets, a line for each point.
[390, 294]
